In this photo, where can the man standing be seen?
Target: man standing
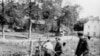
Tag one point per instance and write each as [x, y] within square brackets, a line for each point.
[57, 22]
[58, 47]
[82, 48]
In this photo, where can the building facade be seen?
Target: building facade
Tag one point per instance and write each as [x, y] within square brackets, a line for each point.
[92, 27]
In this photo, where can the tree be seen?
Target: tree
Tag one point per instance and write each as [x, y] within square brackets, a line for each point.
[2, 19]
[52, 9]
[41, 10]
[83, 20]
[70, 15]
[14, 13]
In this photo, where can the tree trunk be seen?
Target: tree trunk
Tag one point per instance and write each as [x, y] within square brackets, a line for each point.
[30, 29]
[3, 31]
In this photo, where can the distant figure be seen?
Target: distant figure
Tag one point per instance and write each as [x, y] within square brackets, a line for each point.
[37, 51]
[58, 47]
[38, 47]
[82, 48]
[57, 32]
[48, 48]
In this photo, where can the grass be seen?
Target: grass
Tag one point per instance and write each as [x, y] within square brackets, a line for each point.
[71, 44]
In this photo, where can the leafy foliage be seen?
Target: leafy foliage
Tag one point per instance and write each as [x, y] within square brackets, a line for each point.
[70, 16]
[18, 14]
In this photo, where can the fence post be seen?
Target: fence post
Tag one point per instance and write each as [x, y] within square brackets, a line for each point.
[31, 48]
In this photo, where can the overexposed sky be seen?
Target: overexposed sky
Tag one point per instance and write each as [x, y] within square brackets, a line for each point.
[90, 7]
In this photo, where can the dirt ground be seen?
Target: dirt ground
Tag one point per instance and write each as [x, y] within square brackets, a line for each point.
[8, 48]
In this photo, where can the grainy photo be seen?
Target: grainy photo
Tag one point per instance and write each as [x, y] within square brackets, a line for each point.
[49, 28]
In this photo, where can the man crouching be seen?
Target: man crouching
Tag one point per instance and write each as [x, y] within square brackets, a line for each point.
[48, 48]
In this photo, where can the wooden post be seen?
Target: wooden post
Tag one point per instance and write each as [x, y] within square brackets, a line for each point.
[31, 48]
[31, 43]
[30, 29]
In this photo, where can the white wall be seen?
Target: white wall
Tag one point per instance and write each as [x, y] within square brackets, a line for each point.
[92, 28]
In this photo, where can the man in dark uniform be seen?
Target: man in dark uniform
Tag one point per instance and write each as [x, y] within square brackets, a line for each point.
[58, 48]
[82, 48]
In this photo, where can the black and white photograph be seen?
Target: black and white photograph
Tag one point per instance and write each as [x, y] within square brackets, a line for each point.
[49, 28]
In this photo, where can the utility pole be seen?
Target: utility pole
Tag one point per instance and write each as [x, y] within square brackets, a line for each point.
[30, 28]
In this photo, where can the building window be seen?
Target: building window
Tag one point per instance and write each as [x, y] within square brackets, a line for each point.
[88, 33]
[94, 34]
[99, 34]
[94, 27]
[88, 26]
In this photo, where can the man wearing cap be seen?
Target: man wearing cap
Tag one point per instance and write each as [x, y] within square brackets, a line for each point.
[82, 47]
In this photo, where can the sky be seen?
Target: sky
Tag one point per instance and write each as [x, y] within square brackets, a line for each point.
[89, 7]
